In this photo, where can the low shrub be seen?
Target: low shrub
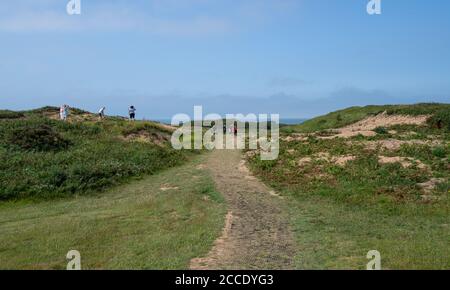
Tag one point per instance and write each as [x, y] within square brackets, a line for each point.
[439, 152]
[381, 130]
[37, 137]
[440, 120]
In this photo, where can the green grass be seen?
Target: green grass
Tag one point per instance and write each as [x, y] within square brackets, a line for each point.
[339, 213]
[135, 226]
[334, 235]
[41, 158]
[351, 115]
[417, 109]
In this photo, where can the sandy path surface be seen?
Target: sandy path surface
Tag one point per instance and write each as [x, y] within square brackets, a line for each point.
[256, 233]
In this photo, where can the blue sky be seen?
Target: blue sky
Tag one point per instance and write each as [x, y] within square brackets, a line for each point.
[299, 58]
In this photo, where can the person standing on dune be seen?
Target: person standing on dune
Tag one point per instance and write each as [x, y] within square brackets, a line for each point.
[132, 113]
[63, 112]
[101, 112]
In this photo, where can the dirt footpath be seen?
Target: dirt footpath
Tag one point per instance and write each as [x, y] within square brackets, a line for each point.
[256, 234]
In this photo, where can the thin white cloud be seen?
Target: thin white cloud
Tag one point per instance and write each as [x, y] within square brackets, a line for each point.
[107, 21]
[168, 17]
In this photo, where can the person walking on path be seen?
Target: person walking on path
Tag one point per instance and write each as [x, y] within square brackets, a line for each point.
[132, 113]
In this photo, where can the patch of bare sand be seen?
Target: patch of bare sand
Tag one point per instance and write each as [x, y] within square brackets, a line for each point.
[201, 166]
[243, 168]
[340, 160]
[304, 161]
[274, 193]
[394, 144]
[323, 156]
[166, 127]
[220, 248]
[431, 184]
[143, 136]
[343, 160]
[168, 187]
[428, 188]
[71, 117]
[404, 161]
[252, 153]
[295, 137]
[365, 127]
[408, 134]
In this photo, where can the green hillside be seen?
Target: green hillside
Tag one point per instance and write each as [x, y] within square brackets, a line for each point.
[43, 157]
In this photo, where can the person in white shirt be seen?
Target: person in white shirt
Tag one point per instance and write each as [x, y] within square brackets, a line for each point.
[132, 112]
[63, 112]
[101, 112]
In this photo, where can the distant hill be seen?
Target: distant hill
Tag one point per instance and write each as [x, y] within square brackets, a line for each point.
[352, 115]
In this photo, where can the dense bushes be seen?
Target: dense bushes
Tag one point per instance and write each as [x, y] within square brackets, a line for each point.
[440, 120]
[36, 137]
[381, 130]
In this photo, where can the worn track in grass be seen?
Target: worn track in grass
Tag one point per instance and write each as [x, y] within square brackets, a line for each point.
[257, 234]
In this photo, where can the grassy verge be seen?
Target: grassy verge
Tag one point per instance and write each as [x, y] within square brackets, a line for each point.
[335, 235]
[160, 222]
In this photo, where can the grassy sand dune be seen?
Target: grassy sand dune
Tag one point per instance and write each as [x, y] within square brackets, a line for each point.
[341, 118]
[42, 157]
[351, 193]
